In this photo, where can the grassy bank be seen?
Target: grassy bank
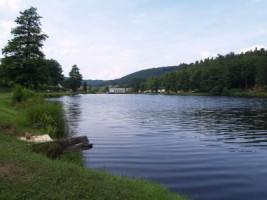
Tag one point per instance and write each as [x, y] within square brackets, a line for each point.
[28, 175]
[247, 93]
[232, 93]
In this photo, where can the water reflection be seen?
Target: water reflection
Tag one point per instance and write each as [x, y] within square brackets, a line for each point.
[72, 109]
[237, 121]
[247, 127]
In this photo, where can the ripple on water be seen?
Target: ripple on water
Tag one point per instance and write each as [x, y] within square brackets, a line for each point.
[204, 147]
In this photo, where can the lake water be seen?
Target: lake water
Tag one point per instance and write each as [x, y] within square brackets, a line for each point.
[203, 147]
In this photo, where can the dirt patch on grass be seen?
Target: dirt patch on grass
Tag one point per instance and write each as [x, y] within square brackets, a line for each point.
[7, 129]
[11, 170]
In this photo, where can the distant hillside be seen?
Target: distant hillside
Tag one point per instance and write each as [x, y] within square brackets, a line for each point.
[142, 75]
[95, 83]
[128, 79]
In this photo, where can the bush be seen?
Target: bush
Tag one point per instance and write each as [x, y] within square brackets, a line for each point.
[217, 90]
[20, 94]
[226, 91]
[47, 116]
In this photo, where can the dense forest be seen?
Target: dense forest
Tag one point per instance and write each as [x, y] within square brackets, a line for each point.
[216, 75]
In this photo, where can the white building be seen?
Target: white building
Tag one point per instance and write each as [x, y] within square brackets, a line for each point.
[117, 90]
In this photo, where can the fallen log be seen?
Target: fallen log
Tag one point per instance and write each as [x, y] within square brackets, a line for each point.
[77, 148]
[58, 147]
[73, 141]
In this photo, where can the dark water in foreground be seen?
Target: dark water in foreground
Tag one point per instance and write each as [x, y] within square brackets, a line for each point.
[203, 147]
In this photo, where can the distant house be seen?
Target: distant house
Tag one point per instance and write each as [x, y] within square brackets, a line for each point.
[117, 90]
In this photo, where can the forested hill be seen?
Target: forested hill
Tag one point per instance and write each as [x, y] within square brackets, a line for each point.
[217, 75]
[213, 75]
[95, 83]
[142, 76]
[139, 76]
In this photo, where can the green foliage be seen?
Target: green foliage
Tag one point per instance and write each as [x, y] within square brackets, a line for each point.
[20, 94]
[153, 84]
[226, 91]
[47, 116]
[218, 76]
[23, 61]
[74, 81]
[137, 84]
[216, 90]
[84, 86]
[54, 72]
[135, 80]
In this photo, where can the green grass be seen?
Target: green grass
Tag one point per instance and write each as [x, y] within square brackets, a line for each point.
[10, 120]
[232, 92]
[28, 175]
[245, 93]
[59, 94]
[46, 116]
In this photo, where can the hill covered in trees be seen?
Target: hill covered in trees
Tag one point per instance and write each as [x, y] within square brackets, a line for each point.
[217, 75]
[212, 75]
[136, 77]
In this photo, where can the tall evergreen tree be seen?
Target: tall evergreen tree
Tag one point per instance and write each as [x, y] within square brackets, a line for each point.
[23, 58]
[75, 79]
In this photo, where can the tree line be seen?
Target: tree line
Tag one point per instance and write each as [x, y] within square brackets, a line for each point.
[213, 75]
[24, 62]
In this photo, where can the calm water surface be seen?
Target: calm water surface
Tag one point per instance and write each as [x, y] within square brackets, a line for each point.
[203, 147]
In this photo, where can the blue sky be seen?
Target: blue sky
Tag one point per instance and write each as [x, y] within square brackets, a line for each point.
[108, 39]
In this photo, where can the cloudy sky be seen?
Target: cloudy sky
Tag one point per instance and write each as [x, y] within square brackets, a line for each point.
[108, 39]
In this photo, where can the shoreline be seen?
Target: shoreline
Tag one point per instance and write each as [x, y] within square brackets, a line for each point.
[25, 174]
[231, 94]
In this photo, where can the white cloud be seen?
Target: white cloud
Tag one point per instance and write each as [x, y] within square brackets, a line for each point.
[10, 5]
[100, 47]
[207, 54]
[252, 48]
[8, 11]
[5, 27]
[66, 43]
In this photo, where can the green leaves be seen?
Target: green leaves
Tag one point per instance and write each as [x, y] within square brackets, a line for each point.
[22, 63]
[74, 81]
[28, 36]
[217, 76]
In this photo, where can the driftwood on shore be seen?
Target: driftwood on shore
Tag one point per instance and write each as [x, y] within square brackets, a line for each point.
[58, 147]
[74, 144]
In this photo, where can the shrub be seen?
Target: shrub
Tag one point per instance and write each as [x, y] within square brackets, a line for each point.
[47, 116]
[216, 90]
[20, 94]
[226, 91]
